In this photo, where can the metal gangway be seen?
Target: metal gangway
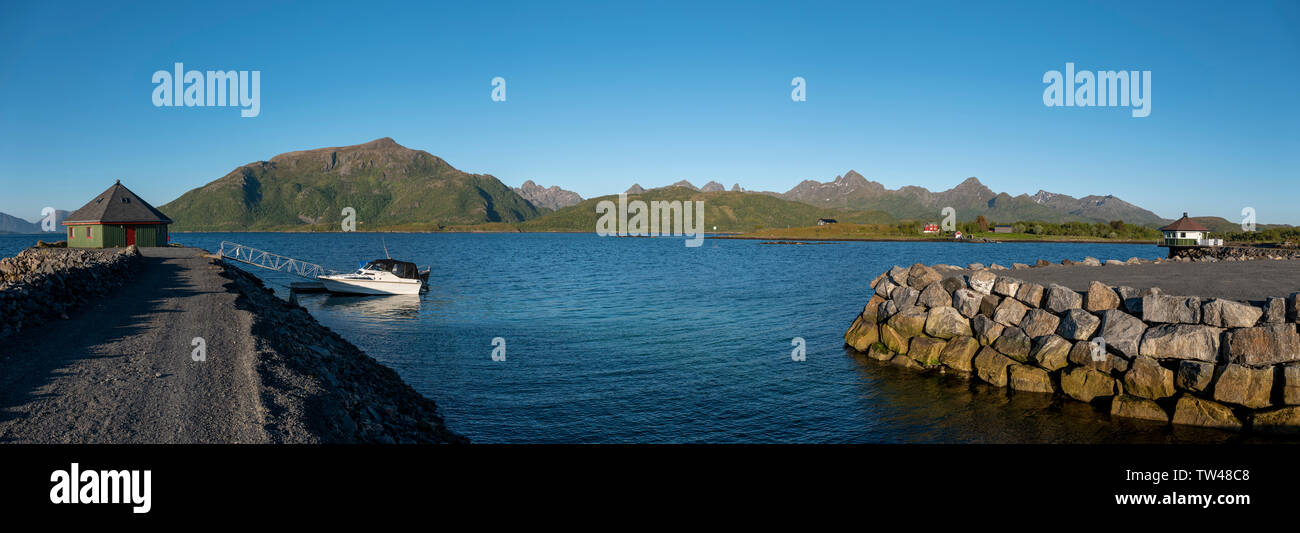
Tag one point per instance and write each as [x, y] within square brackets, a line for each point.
[270, 261]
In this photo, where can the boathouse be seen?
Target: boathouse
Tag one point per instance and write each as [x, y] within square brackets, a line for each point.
[1186, 233]
[115, 218]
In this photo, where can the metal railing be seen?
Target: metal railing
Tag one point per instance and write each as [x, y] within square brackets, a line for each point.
[270, 261]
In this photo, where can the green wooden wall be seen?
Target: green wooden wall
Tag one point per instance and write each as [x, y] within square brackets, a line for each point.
[114, 236]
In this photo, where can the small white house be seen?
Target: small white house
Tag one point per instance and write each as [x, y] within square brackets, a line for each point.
[1186, 232]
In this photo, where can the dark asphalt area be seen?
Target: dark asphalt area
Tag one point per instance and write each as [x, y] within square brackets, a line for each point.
[1236, 280]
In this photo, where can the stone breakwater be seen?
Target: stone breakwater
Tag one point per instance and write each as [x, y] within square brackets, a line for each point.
[1233, 253]
[1146, 355]
[353, 398]
[42, 284]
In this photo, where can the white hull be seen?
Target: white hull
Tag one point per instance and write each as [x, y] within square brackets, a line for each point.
[345, 285]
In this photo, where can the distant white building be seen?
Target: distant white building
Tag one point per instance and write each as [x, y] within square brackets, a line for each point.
[1187, 233]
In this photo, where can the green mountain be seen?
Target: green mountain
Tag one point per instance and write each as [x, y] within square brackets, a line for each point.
[970, 199]
[729, 211]
[386, 183]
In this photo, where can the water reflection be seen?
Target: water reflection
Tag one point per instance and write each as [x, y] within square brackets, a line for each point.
[950, 408]
[404, 306]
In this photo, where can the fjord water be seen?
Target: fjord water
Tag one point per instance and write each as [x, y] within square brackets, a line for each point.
[648, 341]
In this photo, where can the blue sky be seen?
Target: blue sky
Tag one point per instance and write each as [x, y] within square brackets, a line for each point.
[601, 96]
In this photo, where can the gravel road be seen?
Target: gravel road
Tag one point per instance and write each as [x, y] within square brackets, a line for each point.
[119, 370]
[1234, 280]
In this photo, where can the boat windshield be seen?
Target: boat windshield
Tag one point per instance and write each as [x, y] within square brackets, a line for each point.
[402, 269]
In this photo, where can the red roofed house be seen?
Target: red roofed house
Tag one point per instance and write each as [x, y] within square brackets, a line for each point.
[1186, 233]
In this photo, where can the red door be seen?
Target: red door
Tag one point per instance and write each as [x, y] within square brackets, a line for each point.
[130, 235]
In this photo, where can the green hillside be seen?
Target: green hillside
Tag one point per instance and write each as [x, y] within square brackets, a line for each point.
[386, 183]
[727, 210]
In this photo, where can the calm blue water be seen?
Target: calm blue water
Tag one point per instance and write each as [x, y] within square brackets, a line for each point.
[646, 340]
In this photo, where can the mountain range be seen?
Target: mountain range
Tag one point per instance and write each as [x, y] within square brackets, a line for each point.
[551, 198]
[390, 185]
[13, 224]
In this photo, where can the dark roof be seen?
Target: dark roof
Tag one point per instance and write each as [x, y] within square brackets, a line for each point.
[1185, 224]
[117, 204]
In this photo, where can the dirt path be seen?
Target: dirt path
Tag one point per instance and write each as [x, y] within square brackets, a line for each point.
[120, 369]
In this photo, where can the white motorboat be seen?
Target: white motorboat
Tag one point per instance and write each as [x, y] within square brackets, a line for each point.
[381, 276]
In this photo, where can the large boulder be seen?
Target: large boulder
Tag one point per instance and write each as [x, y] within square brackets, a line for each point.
[898, 275]
[1126, 406]
[921, 276]
[893, 340]
[1283, 421]
[946, 323]
[1031, 294]
[925, 350]
[967, 302]
[958, 353]
[1181, 341]
[989, 304]
[1038, 322]
[986, 330]
[1122, 332]
[879, 352]
[1083, 354]
[1006, 286]
[1194, 376]
[885, 288]
[862, 334]
[1085, 384]
[1100, 297]
[1171, 309]
[1029, 379]
[910, 322]
[1147, 379]
[1263, 345]
[1061, 299]
[1014, 343]
[1050, 352]
[991, 366]
[1249, 387]
[905, 296]
[1229, 314]
[1009, 312]
[1290, 384]
[906, 362]
[981, 281]
[954, 283]
[1130, 299]
[1274, 311]
[934, 296]
[1293, 307]
[871, 311]
[1078, 325]
[1193, 411]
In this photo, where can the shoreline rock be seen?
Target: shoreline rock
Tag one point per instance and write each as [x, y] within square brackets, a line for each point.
[1186, 360]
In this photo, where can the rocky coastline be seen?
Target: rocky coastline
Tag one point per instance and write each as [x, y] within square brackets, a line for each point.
[1136, 354]
[42, 284]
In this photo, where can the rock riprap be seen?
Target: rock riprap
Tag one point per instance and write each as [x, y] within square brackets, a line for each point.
[1187, 360]
[45, 283]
